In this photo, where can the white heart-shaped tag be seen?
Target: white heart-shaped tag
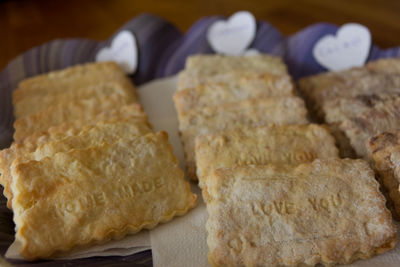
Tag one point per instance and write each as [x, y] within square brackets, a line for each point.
[349, 48]
[123, 51]
[233, 36]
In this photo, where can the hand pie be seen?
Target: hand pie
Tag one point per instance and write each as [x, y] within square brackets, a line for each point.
[108, 132]
[218, 68]
[388, 65]
[29, 106]
[133, 113]
[273, 144]
[384, 152]
[84, 110]
[92, 195]
[211, 64]
[370, 79]
[241, 87]
[382, 117]
[339, 109]
[246, 113]
[71, 79]
[328, 211]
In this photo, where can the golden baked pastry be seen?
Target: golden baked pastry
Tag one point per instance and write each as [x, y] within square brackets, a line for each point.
[71, 79]
[384, 152]
[92, 195]
[32, 105]
[128, 112]
[383, 116]
[246, 113]
[388, 65]
[210, 64]
[328, 211]
[84, 110]
[240, 88]
[273, 144]
[339, 109]
[93, 136]
[221, 68]
[188, 79]
[108, 132]
[320, 88]
[133, 113]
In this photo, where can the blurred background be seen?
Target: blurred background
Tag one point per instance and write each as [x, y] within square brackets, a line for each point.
[28, 23]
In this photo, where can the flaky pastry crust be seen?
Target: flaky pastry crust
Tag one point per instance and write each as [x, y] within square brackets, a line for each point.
[328, 211]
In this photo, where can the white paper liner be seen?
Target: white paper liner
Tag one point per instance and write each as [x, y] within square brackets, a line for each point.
[127, 246]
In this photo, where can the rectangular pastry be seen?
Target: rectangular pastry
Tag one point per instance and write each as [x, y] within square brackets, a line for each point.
[240, 88]
[200, 68]
[86, 109]
[32, 105]
[384, 152]
[388, 65]
[210, 64]
[339, 109]
[383, 116]
[189, 79]
[273, 144]
[108, 132]
[320, 88]
[328, 211]
[71, 79]
[88, 196]
[246, 113]
[102, 132]
[133, 113]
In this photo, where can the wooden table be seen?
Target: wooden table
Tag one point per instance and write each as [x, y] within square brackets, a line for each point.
[28, 23]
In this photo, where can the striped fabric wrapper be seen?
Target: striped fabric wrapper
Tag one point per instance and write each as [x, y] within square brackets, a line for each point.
[163, 50]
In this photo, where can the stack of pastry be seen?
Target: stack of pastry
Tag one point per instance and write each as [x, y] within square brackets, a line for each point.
[362, 106]
[357, 103]
[85, 165]
[219, 93]
[276, 191]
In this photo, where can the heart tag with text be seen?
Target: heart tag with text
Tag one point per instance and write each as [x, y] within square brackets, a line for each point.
[349, 48]
[123, 51]
[232, 36]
